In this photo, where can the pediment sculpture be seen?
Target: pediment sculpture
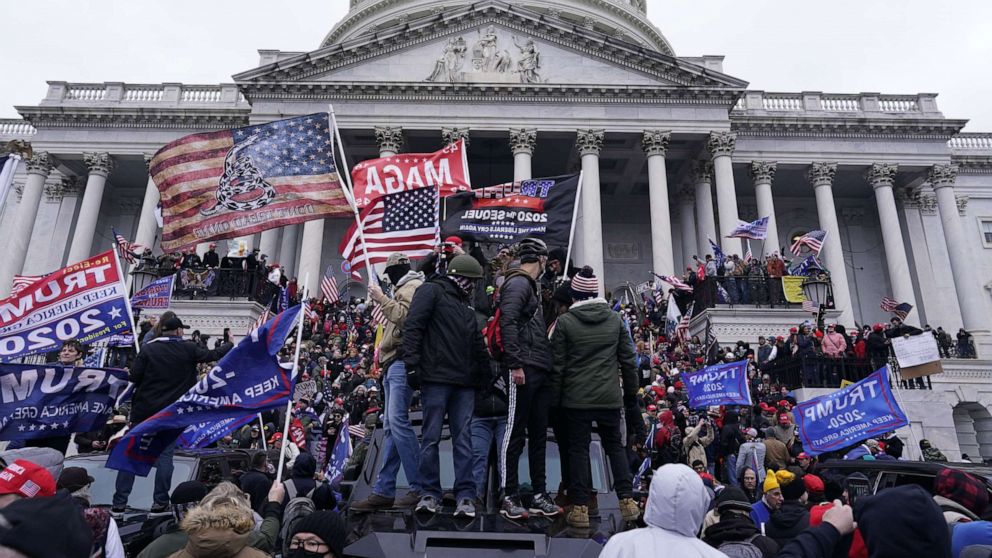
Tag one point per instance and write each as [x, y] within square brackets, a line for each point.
[489, 62]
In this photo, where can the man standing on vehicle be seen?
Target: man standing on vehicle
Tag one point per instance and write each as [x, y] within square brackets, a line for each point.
[400, 444]
[446, 357]
[593, 357]
[162, 372]
[527, 355]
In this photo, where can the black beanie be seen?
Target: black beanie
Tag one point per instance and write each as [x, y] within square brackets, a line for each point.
[189, 492]
[328, 526]
[28, 525]
[732, 498]
[795, 489]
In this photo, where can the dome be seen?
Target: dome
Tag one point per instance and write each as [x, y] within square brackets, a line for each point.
[623, 19]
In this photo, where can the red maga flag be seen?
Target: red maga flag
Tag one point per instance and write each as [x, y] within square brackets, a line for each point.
[445, 170]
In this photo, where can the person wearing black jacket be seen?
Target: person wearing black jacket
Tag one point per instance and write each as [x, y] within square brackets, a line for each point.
[446, 358]
[792, 517]
[730, 443]
[162, 372]
[256, 482]
[527, 355]
[735, 525]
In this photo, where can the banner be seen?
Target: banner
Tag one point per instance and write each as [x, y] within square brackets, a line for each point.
[792, 286]
[156, 296]
[542, 208]
[41, 401]
[248, 380]
[849, 415]
[85, 301]
[446, 170]
[917, 355]
[720, 384]
[238, 182]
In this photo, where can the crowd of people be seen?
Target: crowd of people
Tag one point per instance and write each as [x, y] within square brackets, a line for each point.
[506, 348]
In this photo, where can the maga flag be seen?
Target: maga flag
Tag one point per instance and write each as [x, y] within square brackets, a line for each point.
[248, 380]
[445, 170]
[238, 182]
[540, 208]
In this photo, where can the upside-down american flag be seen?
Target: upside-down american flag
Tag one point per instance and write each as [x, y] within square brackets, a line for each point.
[128, 250]
[402, 222]
[232, 183]
[329, 287]
[812, 240]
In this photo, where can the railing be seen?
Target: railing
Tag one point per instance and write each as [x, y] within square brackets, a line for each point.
[201, 283]
[971, 142]
[816, 371]
[817, 102]
[759, 290]
[16, 127]
[165, 94]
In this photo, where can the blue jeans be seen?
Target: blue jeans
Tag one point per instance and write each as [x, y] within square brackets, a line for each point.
[163, 480]
[484, 430]
[729, 470]
[457, 403]
[400, 441]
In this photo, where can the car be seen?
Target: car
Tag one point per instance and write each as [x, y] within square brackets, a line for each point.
[137, 527]
[882, 474]
[403, 533]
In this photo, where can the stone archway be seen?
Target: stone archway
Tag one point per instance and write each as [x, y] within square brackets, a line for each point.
[973, 425]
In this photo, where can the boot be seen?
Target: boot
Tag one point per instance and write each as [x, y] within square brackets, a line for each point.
[629, 509]
[578, 517]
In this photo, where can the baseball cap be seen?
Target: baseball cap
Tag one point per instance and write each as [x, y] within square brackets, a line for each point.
[397, 258]
[173, 323]
[74, 478]
[27, 479]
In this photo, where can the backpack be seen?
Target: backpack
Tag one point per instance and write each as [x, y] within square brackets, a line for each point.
[741, 549]
[297, 508]
[492, 333]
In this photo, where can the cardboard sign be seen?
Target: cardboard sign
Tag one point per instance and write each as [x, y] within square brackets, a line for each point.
[917, 356]
[305, 389]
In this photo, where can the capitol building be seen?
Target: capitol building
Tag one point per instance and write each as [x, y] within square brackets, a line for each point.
[673, 152]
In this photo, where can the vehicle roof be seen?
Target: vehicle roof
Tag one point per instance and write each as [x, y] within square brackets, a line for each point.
[181, 453]
[929, 467]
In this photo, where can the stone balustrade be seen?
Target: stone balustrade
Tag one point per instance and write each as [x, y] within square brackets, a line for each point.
[818, 103]
[971, 143]
[15, 128]
[61, 93]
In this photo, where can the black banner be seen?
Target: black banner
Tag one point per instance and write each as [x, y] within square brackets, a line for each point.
[539, 208]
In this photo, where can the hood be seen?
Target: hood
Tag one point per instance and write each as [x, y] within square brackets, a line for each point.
[732, 527]
[792, 515]
[903, 521]
[304, 466]
[213, 532]
[666, 418]
[678, 500]
[410, 276]
[216, 543]
[592, 310]
[731, 418]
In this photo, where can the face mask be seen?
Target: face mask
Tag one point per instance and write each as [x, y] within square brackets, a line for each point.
[303, 553]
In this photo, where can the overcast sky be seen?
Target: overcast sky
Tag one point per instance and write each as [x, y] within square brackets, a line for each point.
[840, 46]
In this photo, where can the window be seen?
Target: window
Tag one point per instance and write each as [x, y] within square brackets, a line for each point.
[985, 229]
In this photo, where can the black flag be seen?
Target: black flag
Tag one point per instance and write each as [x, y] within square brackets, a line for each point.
[539, 208]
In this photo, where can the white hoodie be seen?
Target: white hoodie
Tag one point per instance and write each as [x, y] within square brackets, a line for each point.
[676, 506]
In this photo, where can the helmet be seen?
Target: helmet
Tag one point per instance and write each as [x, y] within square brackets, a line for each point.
[465, 266]
[529, 249]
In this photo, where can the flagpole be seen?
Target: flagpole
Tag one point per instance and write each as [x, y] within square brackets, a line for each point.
[296, 366]
[127, 301]
[571, 232]
[350, 195]
[265, 445]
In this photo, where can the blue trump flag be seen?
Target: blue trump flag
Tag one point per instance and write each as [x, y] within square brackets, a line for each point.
[849, 415]
[41, 401]
[720, 384]
[339, 455]
[155, 296]
[249, 379]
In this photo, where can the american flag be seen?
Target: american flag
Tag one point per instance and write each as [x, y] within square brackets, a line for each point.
[129, 251]
[403, 222]
[310, 313]
[676, 282]
[22, 282]
[659, 296]
[811, 307]
[757, 230]
[812, 240]
[901, 309]
[329, 287]
[378, 318]
[262, 318]
[888, 304]
[285, 166]
[748, 256]
[682, 330]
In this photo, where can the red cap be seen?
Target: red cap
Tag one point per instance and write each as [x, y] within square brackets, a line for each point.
[877, 328]
[793, 330]
[814, 483]
[699, 360]
[679, 385]
[453, 240]
[803, 455]
[652, 407]
[26, 479]
[783, 418]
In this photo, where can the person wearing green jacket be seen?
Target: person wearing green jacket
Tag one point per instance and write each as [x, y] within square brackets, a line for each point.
[593, 375]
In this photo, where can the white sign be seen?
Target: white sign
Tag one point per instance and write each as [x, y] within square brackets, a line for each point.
[915, 350]
[305, 389]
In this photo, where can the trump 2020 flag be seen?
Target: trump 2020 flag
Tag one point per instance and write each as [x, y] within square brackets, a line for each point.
[339, 455]
[849, 415]
[720, 384]
[156, 295]
[248, 380]
[756, 230]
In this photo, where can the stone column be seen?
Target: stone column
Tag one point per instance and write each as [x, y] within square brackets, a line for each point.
[721, 146]
[310, 253]
[100, 165]
[882, 177]
[589, 231]
[19, 236]
[287, 248]
[451, 135]
[522, 144]
[268, 244]
[687, 224]
[762, 174]
[705, 221]
[821, 176]
[389, 139]
[655, 144]
[147, 225]
[969, 291]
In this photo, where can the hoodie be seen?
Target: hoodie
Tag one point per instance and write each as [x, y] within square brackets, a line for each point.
[903, 521]
[301, 477]
[677, 502]
[395, 311]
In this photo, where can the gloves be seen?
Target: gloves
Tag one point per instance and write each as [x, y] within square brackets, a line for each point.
[413, 378]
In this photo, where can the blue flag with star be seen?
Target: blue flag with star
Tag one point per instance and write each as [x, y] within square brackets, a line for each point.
[248, 380]
[339, 455]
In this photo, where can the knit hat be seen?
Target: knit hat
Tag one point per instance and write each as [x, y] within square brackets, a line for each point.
[777, 480]
[792, 489]
[733, 499]
[26, 479]
[27, 526]
[189, 492]
[585, 284]
[962, 488]
[327, 525]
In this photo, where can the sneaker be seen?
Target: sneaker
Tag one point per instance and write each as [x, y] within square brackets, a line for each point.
[629, 509]
[510, 508]
[427, 504]
[466, 508]
[408, 501]
[159, 508]
[542, 505]
[373, 503]
[117, 512]
[578, 517]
